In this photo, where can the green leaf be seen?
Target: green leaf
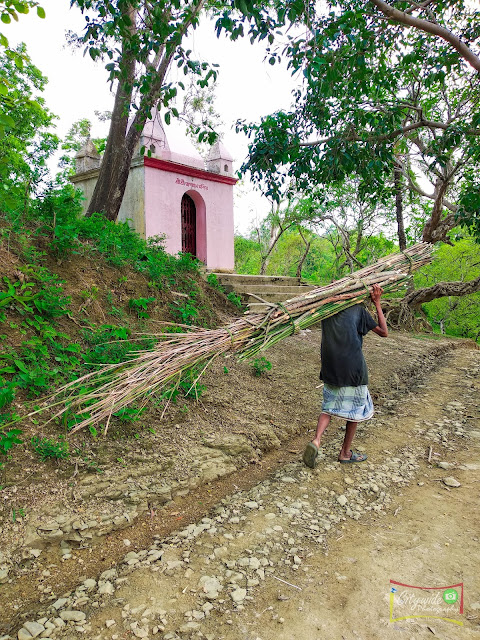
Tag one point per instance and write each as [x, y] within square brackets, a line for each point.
[6, 120]
[8, 369]
[21, 366]
[73, 348]
[6, 395]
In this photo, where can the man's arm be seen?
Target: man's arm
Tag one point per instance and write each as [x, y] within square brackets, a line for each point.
[376, 294]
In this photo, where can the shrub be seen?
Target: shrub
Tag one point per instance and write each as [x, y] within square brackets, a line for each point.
[110, 344]
[8, 439]
[235, 299]
[261, 366]
[140, 306]
[190, 384]
[47, 448]
[212, 280]
[7, 393]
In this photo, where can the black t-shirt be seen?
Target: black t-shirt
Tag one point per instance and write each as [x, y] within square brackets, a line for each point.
[343, 364]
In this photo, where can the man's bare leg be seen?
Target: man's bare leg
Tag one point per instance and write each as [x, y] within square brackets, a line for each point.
[345, 452]
[323, 422]
[311, 450]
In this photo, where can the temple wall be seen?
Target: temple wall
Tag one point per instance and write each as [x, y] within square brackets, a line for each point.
[133, 203]
[153, 196]
[214, 205]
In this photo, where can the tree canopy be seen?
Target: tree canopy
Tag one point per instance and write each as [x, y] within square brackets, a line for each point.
[383, 86]
[9, 10]
[28, 141]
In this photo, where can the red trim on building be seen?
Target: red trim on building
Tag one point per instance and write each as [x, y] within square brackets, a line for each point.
[183, 170]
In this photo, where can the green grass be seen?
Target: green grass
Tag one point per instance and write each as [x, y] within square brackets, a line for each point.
[46, 354]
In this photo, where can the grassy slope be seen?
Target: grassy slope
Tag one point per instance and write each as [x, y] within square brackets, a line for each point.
[64, 313]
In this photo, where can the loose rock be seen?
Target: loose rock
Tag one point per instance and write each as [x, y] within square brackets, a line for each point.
[451, 482]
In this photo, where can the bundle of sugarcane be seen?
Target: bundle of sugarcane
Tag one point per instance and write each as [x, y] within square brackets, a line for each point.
[95, 397]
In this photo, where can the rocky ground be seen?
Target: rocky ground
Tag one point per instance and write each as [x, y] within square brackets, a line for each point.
[228, 541]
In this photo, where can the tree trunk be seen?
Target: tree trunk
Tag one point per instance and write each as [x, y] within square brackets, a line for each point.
[115, 168]
[430, 231]
[441, 290]
[305, 253]
[397, 179]
[275, 233]
[358, 243]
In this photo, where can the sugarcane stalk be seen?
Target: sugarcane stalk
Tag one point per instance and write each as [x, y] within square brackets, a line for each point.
[113, 387]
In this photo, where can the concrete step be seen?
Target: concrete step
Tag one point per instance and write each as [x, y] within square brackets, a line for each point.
[239, 279]
[268, 289]
[257, 307]
[273, 295]
[272, 289]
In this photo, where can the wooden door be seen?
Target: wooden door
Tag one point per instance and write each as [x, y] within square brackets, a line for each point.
[189, 226]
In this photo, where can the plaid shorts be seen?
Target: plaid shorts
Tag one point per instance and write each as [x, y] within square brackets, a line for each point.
[352, 403]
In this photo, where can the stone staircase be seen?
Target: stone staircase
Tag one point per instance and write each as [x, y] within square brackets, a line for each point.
[253, 289]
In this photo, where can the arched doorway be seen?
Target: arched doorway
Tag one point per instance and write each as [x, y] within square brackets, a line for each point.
[189, 225]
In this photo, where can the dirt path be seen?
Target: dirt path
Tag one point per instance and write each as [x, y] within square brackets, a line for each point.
[310, 554]
[428, 536]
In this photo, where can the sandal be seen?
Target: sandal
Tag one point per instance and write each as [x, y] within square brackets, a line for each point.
[355, 457]
[310, 455]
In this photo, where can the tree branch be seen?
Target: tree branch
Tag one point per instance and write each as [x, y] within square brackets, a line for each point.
[442, 290]
[430, 124]
[429, 27]
[350, 258]
[166, 52]
[305, 253]
[431, 225]
[431, 196]
[416, 5]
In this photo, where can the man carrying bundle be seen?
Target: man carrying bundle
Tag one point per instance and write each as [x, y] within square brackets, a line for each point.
[345, 376]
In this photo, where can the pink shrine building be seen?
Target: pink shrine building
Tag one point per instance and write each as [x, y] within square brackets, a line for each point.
[175, 194]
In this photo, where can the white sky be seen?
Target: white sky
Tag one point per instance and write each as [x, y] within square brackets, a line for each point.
[247, 87]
